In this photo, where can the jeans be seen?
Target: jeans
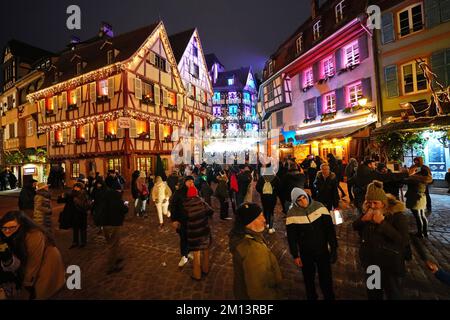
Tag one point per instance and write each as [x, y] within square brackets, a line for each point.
[421, 221]
[322, 262]
[268, 208]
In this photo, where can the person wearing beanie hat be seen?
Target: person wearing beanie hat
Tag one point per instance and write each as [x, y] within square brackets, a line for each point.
[312, 242]
[383, 229]
[257, 275]
[197, 231]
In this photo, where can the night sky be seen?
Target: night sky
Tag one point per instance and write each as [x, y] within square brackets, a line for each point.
[239, 32]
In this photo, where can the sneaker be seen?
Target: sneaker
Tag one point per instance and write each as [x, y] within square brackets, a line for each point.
[271, 230]
[267, 226]
[183, 261]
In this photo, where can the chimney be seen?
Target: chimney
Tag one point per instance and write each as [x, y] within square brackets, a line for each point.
[314, 9]
[106, 30]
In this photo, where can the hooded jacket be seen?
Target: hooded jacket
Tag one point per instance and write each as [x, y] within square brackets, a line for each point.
[385, 244]
[310, 230]
[161, 191]
[257, 275]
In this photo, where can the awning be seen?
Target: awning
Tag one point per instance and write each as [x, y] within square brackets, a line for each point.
[331, 134]
[440, 122]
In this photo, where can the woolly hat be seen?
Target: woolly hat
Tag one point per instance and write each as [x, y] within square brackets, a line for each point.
[192, 192]
[248, 212]
[375, 192]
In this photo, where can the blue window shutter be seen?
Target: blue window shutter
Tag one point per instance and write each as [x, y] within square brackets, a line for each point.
[391, 79]
[438, 67]
[338, 59]
[366, 88]
[316, 73]
[432, 13]
[300, 80]
[340, 99]
[387, 27]
[363, 47]
[445, 10]
[319, 105]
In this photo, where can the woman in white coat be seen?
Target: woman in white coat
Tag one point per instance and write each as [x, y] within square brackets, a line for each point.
[161, 194]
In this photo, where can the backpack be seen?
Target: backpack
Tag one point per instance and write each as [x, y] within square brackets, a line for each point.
[313, 164]
[267, 188]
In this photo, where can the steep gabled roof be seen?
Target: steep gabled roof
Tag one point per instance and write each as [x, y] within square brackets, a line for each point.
[91, 53]
[179, 43]
[240, 78]
[211, 59]
[26, 52]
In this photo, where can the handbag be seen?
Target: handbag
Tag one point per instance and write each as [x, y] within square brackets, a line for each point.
[336, 216]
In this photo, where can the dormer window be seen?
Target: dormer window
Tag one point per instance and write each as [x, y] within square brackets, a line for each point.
[270, 67]
[78, 68]
[230, 81]
[316, 30]
[110, 56]
[339, 11]
[299, 44]
[195, 49]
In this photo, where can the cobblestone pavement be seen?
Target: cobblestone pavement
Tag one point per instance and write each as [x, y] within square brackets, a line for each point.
[151, 270]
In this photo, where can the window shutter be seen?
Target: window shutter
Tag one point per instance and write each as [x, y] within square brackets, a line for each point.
[156, 94]
[16, 129]
[55, 103]
[78, 96]
[93, 92]
[52, 138]
[340, 99]
[73, 133]
[390, 77]
[438, 67]
[152, 58]
[387, 27]
[316, 72]
[363, 47]
[161, 131]
[64, 136]
[179, 101]
[86, 129]
[366, 86]
[300, 81]
[133, 130]
[432, 13]
[338, 59]
[445, 10]
[164, 91]
[138, 88]
[6, 132]
[111, 87]
[101, 130]
[319, 105]
[42, 107]
[167, 66]
[152, 130]
[64, 100]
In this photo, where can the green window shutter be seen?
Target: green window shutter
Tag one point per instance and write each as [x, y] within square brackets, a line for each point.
[438, 67]
[387, 27]
[445, 10]
[391, 79]
[432, 13]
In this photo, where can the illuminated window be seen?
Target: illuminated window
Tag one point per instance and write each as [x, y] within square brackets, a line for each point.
[72, 97]
[351, 54]
[233, 110]
[413, 79]
[30, 127]
[253, 112]
[171, 98]
[270, 92]
[147, 92]
[247, 98]
[247, 111]
[75, 170]
[316, 30]
[115, 164]
[111, 128]
[103, 87]
[271, 67]
[248, 127]
[232, 127]
[50, 105]
[110, 57]
[217, 96]
[329, 104]
[328, 67]
[339, 11]
[217, 111]
[410, 20]
[299, 44]
[230, 81]
[354, 93]
[308, 79]
[144, 164]
[216, 127]
[142, 127]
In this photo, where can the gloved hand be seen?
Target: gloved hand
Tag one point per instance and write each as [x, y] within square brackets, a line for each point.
[5, 253]
[333, 256]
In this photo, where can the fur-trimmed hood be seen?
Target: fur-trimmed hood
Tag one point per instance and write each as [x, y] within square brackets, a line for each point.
[393, 205]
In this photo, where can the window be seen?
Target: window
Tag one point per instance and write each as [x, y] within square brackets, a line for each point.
[308, 79]
[110, 57]
[247, 111]
[232, 126]
[316, 30]
[29, 127]
[328, 67]
[233, 110]
[142, 128]
[339, 11]
[144, 164]
[354, 93]
[248, 127]
[410, 20]
[216, 127]
[147, 91]
[270, 93]
[279, 118]
[75, 170]
[103, 87]
[160, 63]
[351, 54]
[195, 70]
[230, 81]
[10, 102]
[299, 44]
[111, 129]
[270, 67]
[115, 164]
[171, 98]
[310, 109]
[329, 104]
[195, 51]
[12, 131]
[247, 99]
[78, 68]
[216, 97]
[253, 112]
[413, 78]
[217, 111]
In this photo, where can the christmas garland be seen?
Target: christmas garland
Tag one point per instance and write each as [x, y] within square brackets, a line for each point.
[328, 116]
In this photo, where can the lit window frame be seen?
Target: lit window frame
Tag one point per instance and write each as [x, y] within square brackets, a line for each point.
[316, 30]
[410, 19]
[339, 11]
[415, 67]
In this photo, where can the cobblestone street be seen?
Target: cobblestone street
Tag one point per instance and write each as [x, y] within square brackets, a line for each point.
[152, 255]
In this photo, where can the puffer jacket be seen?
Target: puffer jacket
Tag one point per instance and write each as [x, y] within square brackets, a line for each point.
[198, 231]
[161, 191]
[42, 206]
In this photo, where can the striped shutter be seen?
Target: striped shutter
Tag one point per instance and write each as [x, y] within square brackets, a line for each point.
[133, 129]
[319, 105]
[101, 130]
[93, 92]
[78, 96]
[152, 130]
[52, 138]
[152, 58]
[363, 47]
[16, 129]
[156, 95]
[167, 66]
[161, 131]
[390, 77]
[64, 101]
[366, 86]
[445, 10]
[438, 65]
[338, 59]
[111, 87]
[387, 27]
[300, 81]
[6, 132]
[340, 99]
[120, 131]
[42, 107]
[64, 136]
[73, 134]
[86, 130]
[55, 103]
[138, 88]
[432, 13]
[179, 102]
[165, 100]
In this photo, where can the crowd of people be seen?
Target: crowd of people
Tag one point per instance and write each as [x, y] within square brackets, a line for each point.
[309, 192]
[8, 180]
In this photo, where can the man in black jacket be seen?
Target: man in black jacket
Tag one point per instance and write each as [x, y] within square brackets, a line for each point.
[26, 196]
[311, 232]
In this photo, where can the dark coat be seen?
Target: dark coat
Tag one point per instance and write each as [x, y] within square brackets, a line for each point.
[198, 231]
[327, 190]
[176, 205]
[244, 179]
[222, 189]
[109, 208]
[293, 179]
[75, 210]
[172, 182]
[26, 198]
[268, 199]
